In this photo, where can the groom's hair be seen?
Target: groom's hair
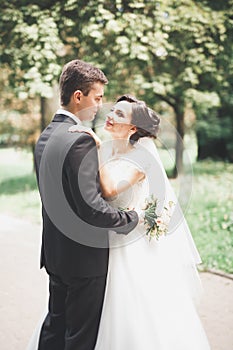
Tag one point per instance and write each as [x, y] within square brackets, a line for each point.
[78, 75]
[144, 118]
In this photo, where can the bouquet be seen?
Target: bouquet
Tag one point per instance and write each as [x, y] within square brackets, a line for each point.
[157, 224]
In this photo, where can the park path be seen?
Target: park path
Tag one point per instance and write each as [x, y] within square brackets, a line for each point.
[23, 290]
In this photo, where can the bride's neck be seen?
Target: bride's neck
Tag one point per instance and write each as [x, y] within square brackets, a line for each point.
[120, 146]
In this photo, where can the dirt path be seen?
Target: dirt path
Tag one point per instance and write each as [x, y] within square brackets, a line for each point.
[23, 290]
[216, 311]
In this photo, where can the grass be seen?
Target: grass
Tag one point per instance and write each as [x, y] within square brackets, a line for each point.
[209, 214]
[18, 189]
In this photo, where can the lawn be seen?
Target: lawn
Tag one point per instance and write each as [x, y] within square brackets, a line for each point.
[209, 213]
[18, 189]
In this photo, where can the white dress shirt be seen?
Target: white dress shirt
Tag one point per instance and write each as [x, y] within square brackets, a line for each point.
[69, 114]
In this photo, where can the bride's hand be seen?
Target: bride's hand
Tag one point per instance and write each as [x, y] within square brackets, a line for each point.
[141, 215]
[140, 212]
[81, 128]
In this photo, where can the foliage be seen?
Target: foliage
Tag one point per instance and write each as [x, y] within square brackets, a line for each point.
[215, 126]
[18, 130]
[168, 50]
[169, 43]
[159, 50]
[30, 54]
[20, 119]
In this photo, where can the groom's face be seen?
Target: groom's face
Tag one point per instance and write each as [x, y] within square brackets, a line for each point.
[89, 105]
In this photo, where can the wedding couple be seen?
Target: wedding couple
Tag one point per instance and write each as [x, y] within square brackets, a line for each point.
[110, 287]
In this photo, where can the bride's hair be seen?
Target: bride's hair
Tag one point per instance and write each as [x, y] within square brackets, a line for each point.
[144, 118]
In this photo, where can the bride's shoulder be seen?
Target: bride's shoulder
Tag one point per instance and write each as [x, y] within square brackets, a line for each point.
[139, 156]
[105, 152]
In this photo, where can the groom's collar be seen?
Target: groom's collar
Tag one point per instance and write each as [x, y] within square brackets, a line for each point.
[70, 115]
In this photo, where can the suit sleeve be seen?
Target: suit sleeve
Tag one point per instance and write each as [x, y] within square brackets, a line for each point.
[82, 189]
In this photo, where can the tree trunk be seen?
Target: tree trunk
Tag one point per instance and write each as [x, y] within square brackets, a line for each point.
[48, 107]
[33, 157]
[42, 113]
[179, 113]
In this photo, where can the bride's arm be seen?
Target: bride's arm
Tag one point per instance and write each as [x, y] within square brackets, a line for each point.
[111, 188]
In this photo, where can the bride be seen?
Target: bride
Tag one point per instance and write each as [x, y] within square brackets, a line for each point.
[152, 285]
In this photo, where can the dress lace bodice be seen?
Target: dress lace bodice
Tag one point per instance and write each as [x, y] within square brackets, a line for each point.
[134, 196]
[118, 169]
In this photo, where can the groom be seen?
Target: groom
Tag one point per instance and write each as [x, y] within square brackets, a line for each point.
[76, 219]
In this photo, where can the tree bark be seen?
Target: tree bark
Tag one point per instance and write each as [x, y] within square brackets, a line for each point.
[42, 112]
[178, 107]
[179, 149]
[33, 157]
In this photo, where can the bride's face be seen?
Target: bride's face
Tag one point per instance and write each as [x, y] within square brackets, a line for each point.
[118, 120]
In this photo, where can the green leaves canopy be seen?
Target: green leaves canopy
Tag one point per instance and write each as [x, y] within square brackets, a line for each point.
[29, 49]
[165, 46]
[175, 51]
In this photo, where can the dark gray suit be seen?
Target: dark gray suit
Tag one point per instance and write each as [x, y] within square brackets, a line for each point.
[75, 261]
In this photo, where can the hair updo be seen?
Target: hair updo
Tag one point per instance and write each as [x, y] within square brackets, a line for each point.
[144, 118]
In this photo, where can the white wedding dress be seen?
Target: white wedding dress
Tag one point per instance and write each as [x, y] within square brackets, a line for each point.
[152, 285]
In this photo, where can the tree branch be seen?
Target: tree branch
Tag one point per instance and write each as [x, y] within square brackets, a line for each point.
[170, 101]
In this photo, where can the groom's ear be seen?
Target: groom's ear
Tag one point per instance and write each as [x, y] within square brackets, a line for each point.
[77, 96]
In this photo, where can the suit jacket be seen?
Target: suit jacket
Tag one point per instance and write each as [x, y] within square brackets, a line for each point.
[76, 219]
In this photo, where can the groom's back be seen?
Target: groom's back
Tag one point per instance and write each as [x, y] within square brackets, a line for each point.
[60, 254]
